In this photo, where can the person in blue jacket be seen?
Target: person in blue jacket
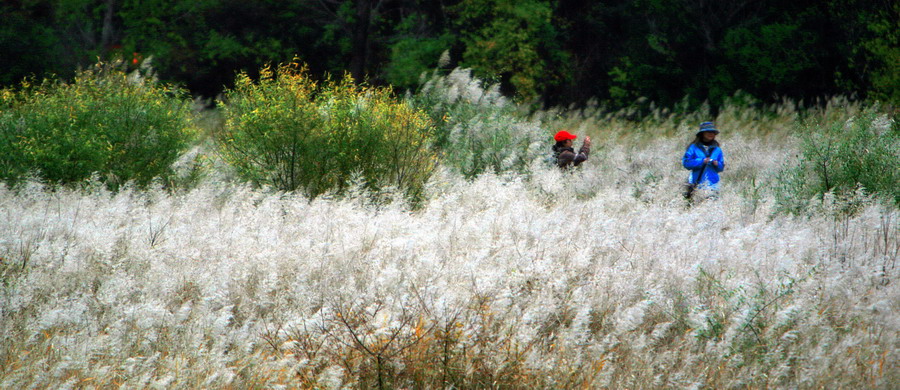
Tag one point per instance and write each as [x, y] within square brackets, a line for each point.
[705, 160]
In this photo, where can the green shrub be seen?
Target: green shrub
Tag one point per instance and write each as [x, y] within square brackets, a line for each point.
[843, 157]
[102, 122]
[289, 132]
[478, 129]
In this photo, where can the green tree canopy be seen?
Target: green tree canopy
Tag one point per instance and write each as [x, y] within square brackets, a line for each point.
[559, 51]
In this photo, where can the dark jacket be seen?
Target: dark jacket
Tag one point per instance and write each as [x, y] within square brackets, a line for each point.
[566, 156]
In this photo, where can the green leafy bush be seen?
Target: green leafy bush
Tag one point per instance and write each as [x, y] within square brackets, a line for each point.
[102, 122]
[843, 157]
[478, 129]
[292, 133]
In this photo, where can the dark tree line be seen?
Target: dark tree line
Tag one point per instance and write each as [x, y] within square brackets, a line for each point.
[561, 52]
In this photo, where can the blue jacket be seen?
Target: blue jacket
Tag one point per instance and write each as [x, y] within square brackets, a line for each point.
[693, 160]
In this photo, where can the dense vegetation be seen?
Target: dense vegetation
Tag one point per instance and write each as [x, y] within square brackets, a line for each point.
[102, 122]
[291, 133]
[528, 278]
[561, 51]
[312, 231]
[842, 157]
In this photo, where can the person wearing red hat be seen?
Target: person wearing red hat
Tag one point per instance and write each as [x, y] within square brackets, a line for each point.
[564, 152]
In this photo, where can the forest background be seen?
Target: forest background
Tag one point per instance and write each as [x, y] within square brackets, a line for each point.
[620, 53]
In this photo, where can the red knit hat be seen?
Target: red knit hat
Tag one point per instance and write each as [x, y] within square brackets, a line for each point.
[564, 135]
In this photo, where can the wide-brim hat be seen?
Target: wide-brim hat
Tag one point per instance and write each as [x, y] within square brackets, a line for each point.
[708, 126]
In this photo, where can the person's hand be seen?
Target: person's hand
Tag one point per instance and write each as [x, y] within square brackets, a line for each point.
[715, 163]
[587, 140]
[706, 160]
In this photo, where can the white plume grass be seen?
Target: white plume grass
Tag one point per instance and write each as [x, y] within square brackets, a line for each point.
[601, 278]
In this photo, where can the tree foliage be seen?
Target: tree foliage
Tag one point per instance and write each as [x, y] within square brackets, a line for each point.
[560, 51]
[513, 40]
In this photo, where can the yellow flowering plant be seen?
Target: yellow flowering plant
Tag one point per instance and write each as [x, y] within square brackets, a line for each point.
[291, 132]
[101, 122]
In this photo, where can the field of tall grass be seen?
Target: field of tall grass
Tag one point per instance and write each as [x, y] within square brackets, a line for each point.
[521, 278]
